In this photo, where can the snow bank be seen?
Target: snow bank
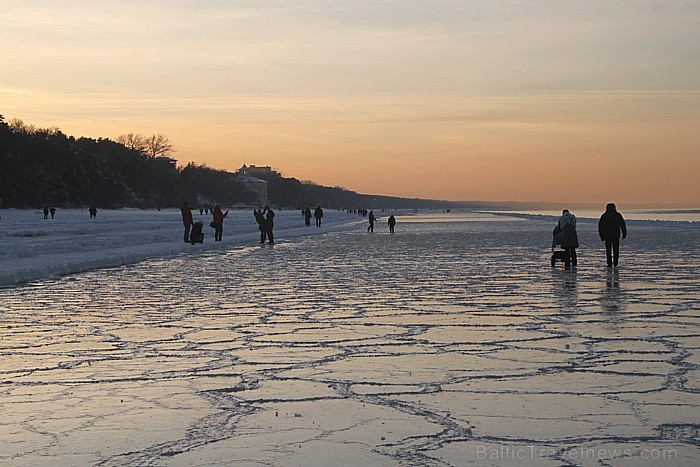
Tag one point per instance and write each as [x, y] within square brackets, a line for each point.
[32, 247]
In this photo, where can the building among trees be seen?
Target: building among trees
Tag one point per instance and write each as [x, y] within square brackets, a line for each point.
[264, 172]
[254, 184]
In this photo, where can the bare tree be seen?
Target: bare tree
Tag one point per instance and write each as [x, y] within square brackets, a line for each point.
[152, 146]
[158, 146]
[18, 126]
[133, 141]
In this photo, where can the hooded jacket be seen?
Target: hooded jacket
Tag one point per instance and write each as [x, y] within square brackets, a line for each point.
[611, 224]
[567, 227]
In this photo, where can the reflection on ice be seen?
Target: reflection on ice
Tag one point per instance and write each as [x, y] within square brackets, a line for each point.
[438, 345]
[613, 299]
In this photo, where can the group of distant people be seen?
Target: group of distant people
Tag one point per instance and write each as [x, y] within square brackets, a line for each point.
[48, 210]
[264, 218]
[611, 227]
[318, 215]
[52, 211]
[193, 232]
[391, 222]
[266, 224]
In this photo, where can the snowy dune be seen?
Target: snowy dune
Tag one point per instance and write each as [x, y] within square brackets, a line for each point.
[32, 247]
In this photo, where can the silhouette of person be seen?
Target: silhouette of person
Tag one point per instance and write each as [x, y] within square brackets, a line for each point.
[218, 221]
[260, 219]
[186, 219]
[269, 224]
[392, 223]
[46, 212]
[53, 211]
[569, 238]
[307, 216]
[93, 211]
[610, 225]
[318, 214]
[372, 219]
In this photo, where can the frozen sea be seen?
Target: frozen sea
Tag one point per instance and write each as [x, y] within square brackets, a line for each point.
[452, 342]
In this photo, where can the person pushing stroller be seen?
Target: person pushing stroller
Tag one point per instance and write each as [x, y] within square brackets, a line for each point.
[565, 235]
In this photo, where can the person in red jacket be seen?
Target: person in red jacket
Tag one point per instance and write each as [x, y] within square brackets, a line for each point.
[218, 222]
[186, 219]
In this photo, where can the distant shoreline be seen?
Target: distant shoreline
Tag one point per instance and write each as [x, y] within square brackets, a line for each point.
[652, 215]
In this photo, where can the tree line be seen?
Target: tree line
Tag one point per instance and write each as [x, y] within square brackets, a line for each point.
[44, 166]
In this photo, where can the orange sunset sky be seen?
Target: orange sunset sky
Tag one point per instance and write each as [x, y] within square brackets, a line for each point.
[524, 100]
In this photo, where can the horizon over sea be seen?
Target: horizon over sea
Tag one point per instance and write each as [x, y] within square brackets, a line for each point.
[639, 214]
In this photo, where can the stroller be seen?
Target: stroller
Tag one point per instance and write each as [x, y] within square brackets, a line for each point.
[559, 255]
[196, 235]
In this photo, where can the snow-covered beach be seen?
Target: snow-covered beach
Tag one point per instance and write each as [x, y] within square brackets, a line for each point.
[32, 247]
[452, 342]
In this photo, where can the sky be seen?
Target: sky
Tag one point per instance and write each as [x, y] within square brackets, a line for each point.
[501, 100]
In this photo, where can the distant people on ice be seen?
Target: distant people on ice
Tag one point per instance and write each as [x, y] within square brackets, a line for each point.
[46, 212]
[392, 223]
[92, 211]
[610, 226]
[372, 220]
[566, 236]
[307, 216]
[318, 214]
[52, 211]
[269, 224]
[218, 222]
[186, 219]
[260, 219]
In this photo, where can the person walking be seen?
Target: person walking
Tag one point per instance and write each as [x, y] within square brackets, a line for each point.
[218, 222]
[46, 212]
[318, 215]
[269, 224]
[260, 219]
[307, 216]
[569, 238]
[392, 223]
[52, 211]
[186, 219]
[610, 226]
[372, 219]
[93, 211]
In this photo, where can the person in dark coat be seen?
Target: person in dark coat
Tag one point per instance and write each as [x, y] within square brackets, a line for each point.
[566, 235]
[610, 226]
[392, 223]
[372, 219]
[307, 216]
[269, 224]
[46, 212]
[260, 219]
[53, 211]
[93, 211]
[318, 214]
[186, 219]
